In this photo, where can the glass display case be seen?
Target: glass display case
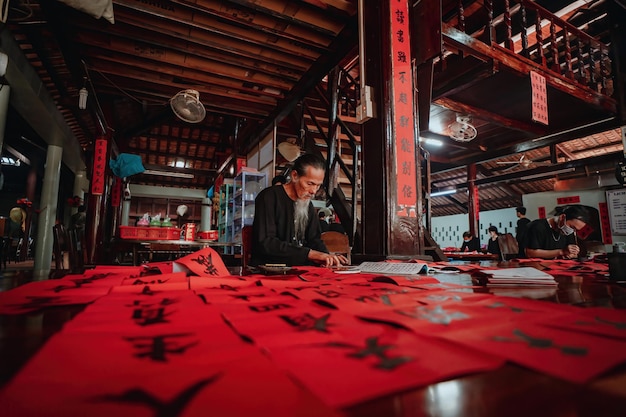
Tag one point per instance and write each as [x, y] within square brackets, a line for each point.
[225, 212]
[247, 186]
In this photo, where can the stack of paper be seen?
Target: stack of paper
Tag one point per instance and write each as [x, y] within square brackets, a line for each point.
[398, 268]
[518, 276]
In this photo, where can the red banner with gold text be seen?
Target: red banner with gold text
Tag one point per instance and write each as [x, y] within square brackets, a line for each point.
[402, 96]
[99, 167]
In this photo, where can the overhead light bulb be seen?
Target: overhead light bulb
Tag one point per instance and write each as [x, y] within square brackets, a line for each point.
[82, 98]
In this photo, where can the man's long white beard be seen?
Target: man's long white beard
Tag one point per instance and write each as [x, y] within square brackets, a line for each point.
[301, 218]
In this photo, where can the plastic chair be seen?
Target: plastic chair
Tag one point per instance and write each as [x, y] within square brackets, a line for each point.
[509, 248]
[338, 243]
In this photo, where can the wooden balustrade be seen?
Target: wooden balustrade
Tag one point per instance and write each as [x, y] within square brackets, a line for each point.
[553, 43]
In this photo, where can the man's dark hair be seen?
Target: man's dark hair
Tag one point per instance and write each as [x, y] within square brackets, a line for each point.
[279, 179]
[572, 212]
[308, 160]
[521, 210]
[467, 234]
[321, 214]
[492, 229]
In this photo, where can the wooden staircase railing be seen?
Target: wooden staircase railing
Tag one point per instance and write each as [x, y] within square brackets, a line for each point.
[527, 29]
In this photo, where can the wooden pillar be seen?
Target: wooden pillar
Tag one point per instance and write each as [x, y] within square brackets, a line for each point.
[47, 216]
[473, 204]
[617, 18]
[390, 222]
[31, 190]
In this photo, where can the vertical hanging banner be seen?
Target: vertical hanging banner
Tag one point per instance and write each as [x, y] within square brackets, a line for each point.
[402, 98]
[539, 98]
[116, 193]
[99, 167]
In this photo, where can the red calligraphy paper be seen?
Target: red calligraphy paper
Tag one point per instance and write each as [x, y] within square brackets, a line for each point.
[598, 321]
[301, 325]
[232, 282]
[572, 356]
[432, 319]
[43, 294]
[99, 167]
[243, 295]
[239, 385]
[346, 372]
[205, 262]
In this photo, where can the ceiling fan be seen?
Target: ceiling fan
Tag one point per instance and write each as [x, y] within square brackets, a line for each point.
[461, 129]
[186, 106]
[523, 162]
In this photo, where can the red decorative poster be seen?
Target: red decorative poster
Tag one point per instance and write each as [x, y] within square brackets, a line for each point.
[539, 98]
[116, 193]
[99, 167]
[403, 120]
[541, 212]
[476, 203]
[568, 200]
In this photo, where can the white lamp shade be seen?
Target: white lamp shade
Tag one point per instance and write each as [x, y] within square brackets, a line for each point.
[289, 151]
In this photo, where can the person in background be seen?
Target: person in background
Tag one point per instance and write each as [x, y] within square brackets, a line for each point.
[323, 222]
[78, 219]
[16, 220]
[492, 245]
[556, 236]
[470, 243]
[520, 231]
[286, 227]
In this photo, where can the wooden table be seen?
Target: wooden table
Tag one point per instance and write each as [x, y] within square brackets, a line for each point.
[176, 248]
[472, 256]
[508, 391]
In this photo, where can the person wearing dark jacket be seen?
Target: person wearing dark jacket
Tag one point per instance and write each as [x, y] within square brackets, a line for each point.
[520, 231]
[286, 227]
[470, 243]
[556, 236]
[492, 245]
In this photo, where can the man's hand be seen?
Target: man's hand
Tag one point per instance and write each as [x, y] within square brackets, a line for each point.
[327, 259]
[571, 251]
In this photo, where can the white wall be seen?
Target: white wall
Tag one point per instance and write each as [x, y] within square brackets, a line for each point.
[448, 230]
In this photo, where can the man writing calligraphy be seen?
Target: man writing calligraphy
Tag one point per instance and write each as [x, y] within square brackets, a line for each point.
[286, 228]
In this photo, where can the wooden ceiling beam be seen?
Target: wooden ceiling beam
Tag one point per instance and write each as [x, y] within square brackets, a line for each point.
[179, 65]
[151, 90]
[126, 67]
[151, 45]
[490, 117]
[310, 23]
[540, 142]
[206, 22]
[203, 42]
